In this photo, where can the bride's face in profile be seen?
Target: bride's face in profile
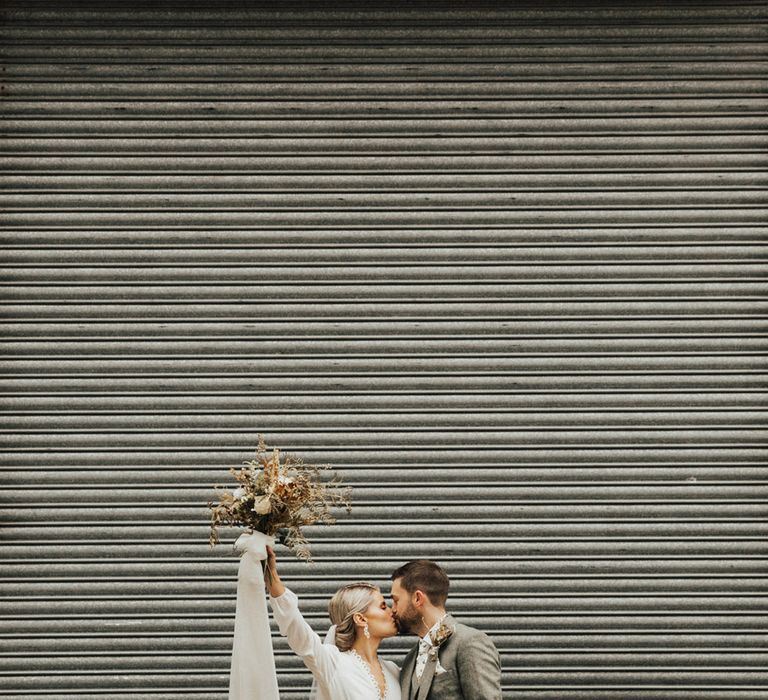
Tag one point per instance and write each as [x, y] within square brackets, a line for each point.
[381, 622]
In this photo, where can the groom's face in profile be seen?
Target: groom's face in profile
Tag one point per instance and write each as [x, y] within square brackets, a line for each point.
[407, 618]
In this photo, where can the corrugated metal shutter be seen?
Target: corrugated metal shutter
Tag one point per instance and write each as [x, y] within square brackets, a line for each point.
[503, 266]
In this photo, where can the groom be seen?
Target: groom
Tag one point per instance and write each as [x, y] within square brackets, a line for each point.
[451, 661]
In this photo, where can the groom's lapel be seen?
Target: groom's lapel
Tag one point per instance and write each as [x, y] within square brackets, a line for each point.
[406, 676]
[426, 678]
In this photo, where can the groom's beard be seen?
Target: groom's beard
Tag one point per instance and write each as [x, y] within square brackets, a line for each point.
[408, 622]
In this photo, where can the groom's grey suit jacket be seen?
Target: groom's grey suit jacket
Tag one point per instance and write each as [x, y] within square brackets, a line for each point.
[472, 669]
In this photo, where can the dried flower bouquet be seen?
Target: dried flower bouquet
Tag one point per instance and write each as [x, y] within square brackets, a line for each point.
[278, 499]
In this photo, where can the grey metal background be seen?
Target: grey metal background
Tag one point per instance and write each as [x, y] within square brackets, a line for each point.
[502, 266]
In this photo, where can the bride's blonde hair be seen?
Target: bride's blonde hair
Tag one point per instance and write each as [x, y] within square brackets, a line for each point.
[347, 602]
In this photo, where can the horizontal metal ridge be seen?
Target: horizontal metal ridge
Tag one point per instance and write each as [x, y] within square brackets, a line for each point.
[551, 106]
[223, 127]
[476, 148]
[685, 49]
[725, 653]
[166, 476]
[555, 657]
[369, 495]
[179, 383]
[359, 32]
[436, 513]
[493, 238]
[460, 162]
[598, 588]
[394, 413]
[316, 605]
[350, 14]
[194, 127]
[485, 14]
[505, 180]
[524, 255]
[465, 600]
[472, 309]
[740, 553]
[685, 493]
[510, 69]
[241, 313]
[526, 692]
[397, 21]
[183, 537]
[394, 89]
[162, 688]
[697, 257]
[713, 377]
[256, 346]
[415, 276]
[408, 548]
[625, 329]
[696, 307]
[382, 74]
[46, 291]
[71, 351]
[742, 73]
[467, 419]
[510, 399]
[392, 33]
[340, 397]
[323, 452]
[688, 578]
[454, 200]
[227, 613]
[215, 664]
[579, 216]
[63, 196]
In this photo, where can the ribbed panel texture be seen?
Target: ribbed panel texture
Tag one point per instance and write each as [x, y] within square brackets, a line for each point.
[502, 265]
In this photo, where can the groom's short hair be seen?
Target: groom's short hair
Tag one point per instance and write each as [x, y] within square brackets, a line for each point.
[426, 576]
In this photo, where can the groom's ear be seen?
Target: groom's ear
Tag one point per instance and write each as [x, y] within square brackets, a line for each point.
[419, 598]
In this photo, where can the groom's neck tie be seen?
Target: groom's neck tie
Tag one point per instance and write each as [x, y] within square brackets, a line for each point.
[425, 645]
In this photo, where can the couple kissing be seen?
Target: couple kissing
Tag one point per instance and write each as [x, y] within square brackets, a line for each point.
[451, 661]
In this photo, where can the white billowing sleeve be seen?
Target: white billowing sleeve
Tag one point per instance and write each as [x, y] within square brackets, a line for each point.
[319, 658]
[252, 669]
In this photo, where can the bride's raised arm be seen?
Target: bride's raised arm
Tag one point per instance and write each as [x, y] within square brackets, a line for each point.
[319, 658]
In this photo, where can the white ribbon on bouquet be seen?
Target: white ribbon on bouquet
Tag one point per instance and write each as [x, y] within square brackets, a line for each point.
[252, 675]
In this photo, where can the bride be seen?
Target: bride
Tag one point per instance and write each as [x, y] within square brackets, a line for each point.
[349, 667]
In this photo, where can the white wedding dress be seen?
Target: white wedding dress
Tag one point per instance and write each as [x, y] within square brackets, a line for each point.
[339, 675]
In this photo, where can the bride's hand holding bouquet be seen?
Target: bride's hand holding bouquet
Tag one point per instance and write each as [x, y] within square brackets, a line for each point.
[276, 587]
